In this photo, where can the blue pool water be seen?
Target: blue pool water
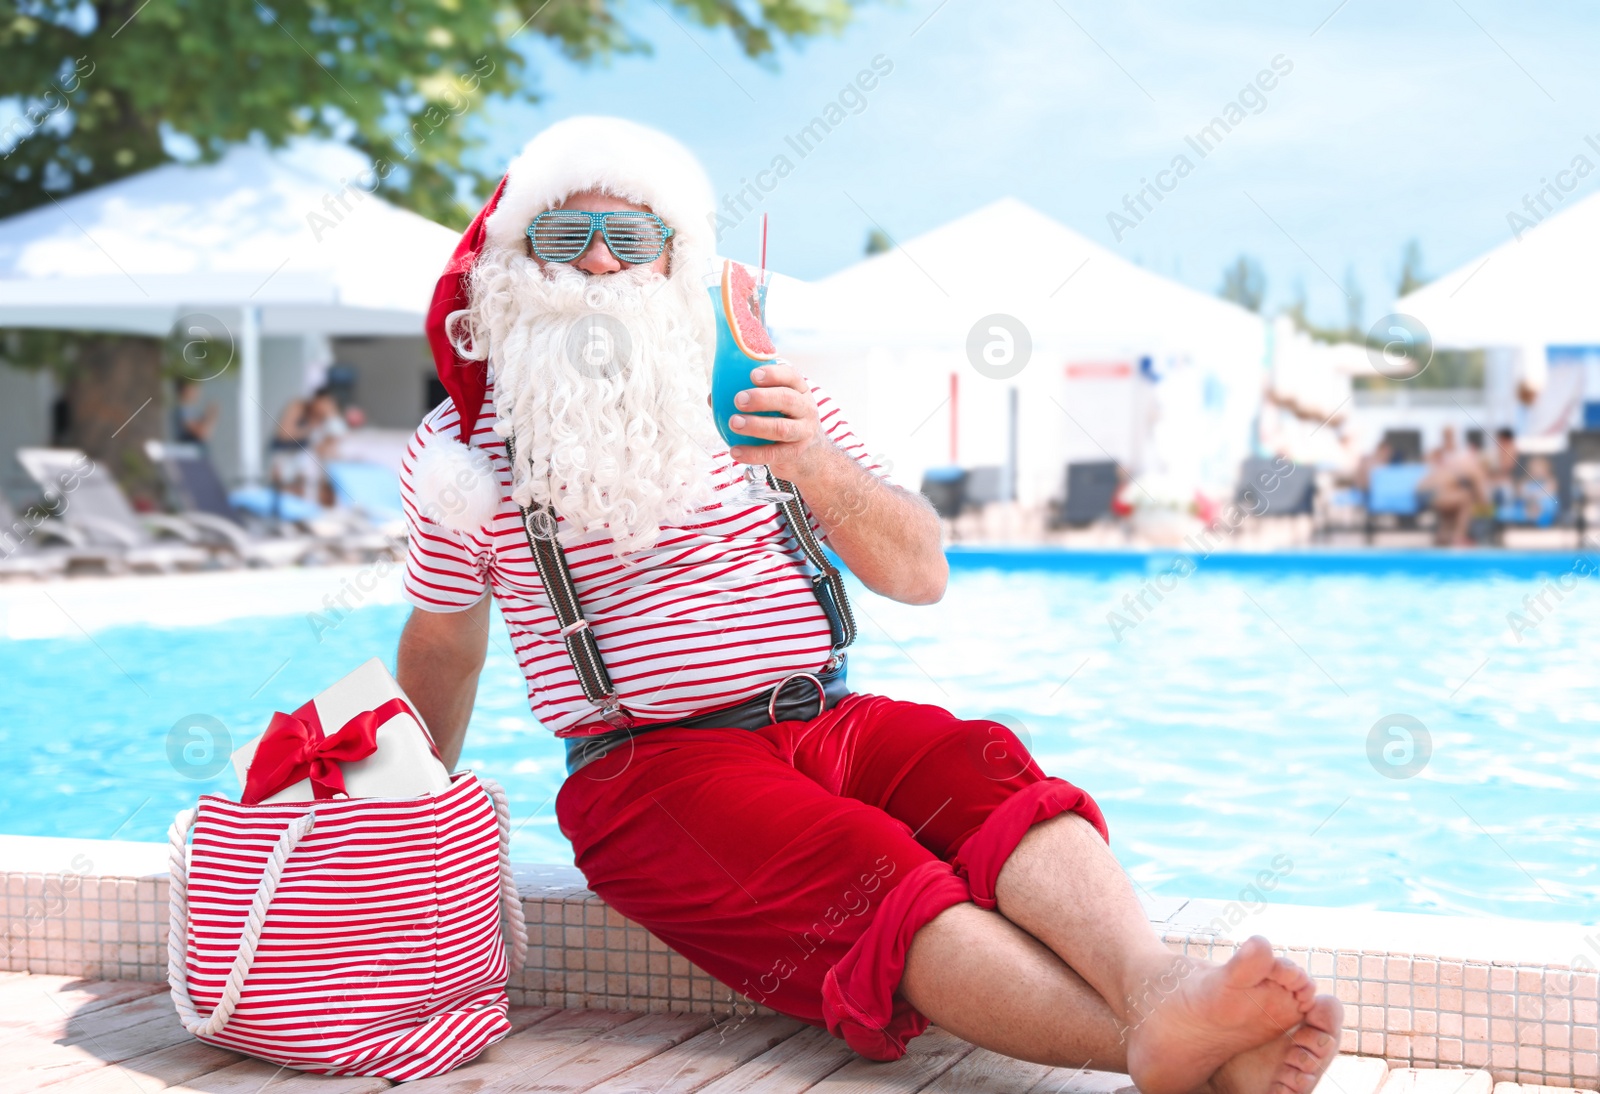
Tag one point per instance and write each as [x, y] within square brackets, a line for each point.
[1227, 728]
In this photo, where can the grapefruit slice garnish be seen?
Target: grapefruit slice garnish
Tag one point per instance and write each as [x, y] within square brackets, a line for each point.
[742, 305]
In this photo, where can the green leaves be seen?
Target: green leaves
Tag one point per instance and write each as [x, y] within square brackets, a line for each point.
[100, 83]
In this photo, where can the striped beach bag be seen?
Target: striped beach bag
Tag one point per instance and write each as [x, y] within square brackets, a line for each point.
[352, 936]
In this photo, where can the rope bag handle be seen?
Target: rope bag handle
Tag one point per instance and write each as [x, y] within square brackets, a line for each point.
[511, 916]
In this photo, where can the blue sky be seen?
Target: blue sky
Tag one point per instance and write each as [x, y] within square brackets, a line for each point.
[1429, 119]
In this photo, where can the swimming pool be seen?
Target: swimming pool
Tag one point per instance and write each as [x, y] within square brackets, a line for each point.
[1410, 733]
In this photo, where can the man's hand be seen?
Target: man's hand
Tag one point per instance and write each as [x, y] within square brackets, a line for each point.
[798, 433]
[887, 536]
[441, 655]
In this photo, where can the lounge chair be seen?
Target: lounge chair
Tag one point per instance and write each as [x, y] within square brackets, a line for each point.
[90, 502]
[372, 490]
[1091, 490]
[1267, 488]
[197, 492]
[31, 546]
[1392, 492]
[946, 489]
[1405, 445]
[985, 486]
[1577, 477]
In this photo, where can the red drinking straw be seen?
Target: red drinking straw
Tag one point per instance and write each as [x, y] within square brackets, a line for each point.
[763, 248]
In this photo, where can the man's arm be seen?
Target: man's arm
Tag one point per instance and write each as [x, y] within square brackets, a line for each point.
[889, 537]
[441, 655]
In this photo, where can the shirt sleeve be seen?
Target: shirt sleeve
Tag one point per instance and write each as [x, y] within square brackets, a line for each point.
[444, 572]
[844, 438]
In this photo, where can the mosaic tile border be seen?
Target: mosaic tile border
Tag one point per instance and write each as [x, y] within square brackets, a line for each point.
[1525, 1021]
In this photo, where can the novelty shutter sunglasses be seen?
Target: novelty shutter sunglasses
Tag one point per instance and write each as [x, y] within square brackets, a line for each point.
[561, 235]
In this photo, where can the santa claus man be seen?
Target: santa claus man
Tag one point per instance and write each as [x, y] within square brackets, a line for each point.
[858, 862]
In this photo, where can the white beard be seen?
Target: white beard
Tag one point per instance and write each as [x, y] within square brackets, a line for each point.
[601, 382]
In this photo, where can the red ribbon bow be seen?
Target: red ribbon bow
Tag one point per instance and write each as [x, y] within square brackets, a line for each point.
[295, 747]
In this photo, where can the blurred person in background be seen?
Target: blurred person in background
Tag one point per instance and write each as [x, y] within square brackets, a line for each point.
[325, 428]
[193, 419]
[287, 468]
[1533, 500]
[1457, 486]
[1505, 473]
[1382, 456]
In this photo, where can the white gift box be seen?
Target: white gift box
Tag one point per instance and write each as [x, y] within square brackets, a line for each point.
[402, 766]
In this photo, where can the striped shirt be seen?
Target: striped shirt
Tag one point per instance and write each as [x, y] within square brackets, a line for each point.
[720, 609]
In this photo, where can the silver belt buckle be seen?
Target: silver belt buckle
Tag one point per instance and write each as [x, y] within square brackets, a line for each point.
[772, 703]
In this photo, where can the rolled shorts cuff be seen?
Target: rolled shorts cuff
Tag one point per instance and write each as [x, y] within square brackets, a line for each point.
[859, 1002]
[983, 854]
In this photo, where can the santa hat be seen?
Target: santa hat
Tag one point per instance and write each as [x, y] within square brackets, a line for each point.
[589, 152]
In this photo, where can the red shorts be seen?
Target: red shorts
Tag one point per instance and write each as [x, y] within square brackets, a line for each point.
[794, 863]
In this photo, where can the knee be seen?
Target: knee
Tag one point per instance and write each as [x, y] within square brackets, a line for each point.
[996, 750]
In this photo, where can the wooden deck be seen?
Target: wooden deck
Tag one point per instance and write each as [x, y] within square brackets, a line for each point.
[68, 1036]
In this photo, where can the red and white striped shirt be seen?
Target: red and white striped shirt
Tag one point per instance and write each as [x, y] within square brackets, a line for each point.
[720, 609]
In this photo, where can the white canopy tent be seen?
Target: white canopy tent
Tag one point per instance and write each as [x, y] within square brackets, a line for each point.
[1531, 304]
[1125, 364]
[1541, 288]
[258, 244]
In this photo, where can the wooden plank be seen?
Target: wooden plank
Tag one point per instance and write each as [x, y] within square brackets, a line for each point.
[793, 1066]
[927, 1057]
[708, 1057]
[1353, 1075]
[20, 999]
[524, 1017]
[1411, 1080]
[188, 1060]
[600, 1058]
[36, 1063]
[519, 1060]
[151, 1071]
[53, 1022]
[985, 1072]
[1081, 1080]
[253, 1076]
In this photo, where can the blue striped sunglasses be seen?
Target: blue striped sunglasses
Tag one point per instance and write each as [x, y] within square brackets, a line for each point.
[561, 235]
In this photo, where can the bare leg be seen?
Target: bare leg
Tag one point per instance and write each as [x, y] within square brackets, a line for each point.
[1184, 1018]
[986, 980]
[979, 976]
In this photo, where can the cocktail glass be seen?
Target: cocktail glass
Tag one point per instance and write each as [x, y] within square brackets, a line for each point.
[730, 374]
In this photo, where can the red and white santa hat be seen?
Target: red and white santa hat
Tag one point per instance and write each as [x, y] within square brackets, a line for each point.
[589, 152]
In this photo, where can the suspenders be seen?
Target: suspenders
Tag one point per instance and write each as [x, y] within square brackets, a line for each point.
[540, 526]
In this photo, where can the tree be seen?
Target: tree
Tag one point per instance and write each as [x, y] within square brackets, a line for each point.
[108, 88]
[877, 241]
[112, 87]
[1354, 305]
[1244, 283]
[1411, 276]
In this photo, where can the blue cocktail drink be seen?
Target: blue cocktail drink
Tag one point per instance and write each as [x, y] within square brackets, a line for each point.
[731, 368]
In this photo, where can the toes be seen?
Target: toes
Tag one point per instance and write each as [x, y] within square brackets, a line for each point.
[1304, 1059]
[1293, 1082]
[1327, 1015]
[1291, 976]
[1315, 1039]
[1252, 963]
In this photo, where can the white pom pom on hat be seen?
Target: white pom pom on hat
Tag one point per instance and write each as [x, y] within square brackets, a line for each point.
[455, 485]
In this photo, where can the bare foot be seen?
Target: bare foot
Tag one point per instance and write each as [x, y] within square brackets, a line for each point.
[1204, 1015]
[1288, 1064]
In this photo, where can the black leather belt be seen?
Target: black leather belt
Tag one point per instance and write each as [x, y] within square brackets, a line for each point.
[798, 697]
